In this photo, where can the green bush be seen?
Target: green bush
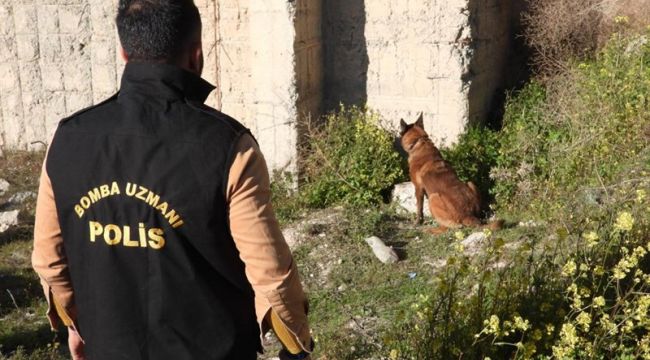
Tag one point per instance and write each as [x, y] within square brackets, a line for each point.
[473, 156]
[351, 160]
[574, 156]
[586, 131]
[288, 206]
[518, 157]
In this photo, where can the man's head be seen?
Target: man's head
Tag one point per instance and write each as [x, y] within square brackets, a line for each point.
[162, 31]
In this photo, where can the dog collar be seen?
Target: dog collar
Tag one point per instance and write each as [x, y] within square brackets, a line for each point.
[416, 142]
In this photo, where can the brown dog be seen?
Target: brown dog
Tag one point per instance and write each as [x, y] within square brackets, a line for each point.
[452, 202]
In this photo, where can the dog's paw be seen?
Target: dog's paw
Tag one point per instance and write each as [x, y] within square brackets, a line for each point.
[418, 221]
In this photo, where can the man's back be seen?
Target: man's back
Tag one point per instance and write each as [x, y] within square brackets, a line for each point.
[140, 183]
[154, 234]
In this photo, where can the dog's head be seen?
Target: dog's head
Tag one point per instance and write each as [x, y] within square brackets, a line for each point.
[412, 133]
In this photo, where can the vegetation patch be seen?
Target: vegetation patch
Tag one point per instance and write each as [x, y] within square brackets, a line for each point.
[350, 160]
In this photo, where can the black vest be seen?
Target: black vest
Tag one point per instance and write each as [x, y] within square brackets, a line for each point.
[139, 183]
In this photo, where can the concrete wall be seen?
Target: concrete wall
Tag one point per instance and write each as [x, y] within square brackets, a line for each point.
[56, 57]
[402, 57]
[60, 56]
[234, 59]
[276, 63]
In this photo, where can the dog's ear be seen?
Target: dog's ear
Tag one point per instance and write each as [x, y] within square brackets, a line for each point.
[402, 126]
[420, 121]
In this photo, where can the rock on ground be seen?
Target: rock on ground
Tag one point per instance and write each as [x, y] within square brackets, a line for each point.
[404, 196]
[384, 253]
[472, 243]
[21, 197]
[4, 186]
[8, 219]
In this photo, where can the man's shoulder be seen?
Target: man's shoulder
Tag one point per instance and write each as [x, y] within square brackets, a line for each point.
[89, 110]
[216, 119]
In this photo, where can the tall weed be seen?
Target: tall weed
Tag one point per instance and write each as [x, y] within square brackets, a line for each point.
[575, 157]
[351, 161]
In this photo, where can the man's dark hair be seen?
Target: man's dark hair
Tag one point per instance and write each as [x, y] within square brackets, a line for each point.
[157, 30]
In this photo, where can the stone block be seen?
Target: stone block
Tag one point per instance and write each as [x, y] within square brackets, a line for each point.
[50, 48]
[6, 21]
[12, 114]
[75, 101]
[30, 76]
[101, 96]
[102, 18]
[33, 109]
[27, 47]
[75, 47]
[48, 19]
[103, 50]
[77, 77]
[26, 19]
[10, 75]
[230, 3]
[33, 117]
[56, 111]
[74, 19]
[7, 49]
[104, 78]
[52, 76]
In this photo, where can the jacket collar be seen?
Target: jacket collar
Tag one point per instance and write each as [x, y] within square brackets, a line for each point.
[163, 80]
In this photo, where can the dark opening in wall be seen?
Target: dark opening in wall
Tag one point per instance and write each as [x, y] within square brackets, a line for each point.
[346, 56]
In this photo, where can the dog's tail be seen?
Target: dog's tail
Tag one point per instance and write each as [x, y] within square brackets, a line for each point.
[494, 225]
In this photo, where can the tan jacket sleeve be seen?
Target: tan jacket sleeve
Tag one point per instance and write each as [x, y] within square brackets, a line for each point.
[269, 264]
[48, 257]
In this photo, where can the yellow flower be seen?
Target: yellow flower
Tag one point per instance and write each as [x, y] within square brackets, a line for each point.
[618, 274]
[550, 328]
[599, 301]
[608, 325]
[394, 354]
[577, 303]
[591, 237]
[640, 195]
[624, 221]
[599, 270]
[568, 334]
[459, 235]
[521, 324]
[572, 289]
[621, 19]
[568, 341]
[569, 268]
[584, 319]
[492, 325]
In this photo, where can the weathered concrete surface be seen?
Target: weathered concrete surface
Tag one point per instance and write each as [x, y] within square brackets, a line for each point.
[445, 58]
[276, 63]
[59, 56]
[286, 70]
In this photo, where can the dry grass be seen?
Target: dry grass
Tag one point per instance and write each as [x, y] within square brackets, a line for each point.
[563, 30]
